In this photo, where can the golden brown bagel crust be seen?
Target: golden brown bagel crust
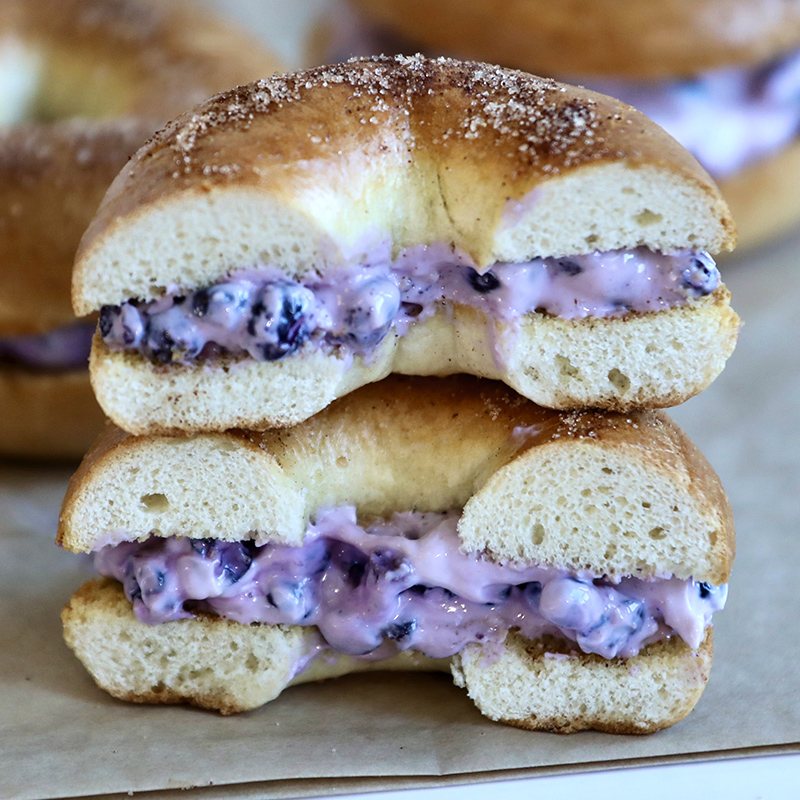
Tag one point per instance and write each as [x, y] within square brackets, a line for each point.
[223, 665]
[535, 485]
[300, 169]
[573, 38]
[107, 74]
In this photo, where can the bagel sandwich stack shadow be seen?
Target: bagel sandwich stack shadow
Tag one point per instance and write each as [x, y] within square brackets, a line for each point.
[273, 507]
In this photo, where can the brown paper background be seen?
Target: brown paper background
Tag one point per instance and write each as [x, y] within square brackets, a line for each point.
[60, 736]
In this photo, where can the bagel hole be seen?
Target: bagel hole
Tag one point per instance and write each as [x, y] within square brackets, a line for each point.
[154, 503]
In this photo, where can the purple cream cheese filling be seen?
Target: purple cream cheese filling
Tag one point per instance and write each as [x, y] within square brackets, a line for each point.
[64, 348]
[402, 583]
[259, 313]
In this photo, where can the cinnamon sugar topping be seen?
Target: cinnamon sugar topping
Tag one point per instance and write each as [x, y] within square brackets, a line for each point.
[541, 119]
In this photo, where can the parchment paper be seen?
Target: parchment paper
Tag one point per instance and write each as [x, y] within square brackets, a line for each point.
[60, 736]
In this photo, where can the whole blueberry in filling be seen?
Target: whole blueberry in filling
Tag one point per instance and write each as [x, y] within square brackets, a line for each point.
[281, 320]
[108, 315]
[614, 629]
[123, 323]
[483, 284]
[234, 558]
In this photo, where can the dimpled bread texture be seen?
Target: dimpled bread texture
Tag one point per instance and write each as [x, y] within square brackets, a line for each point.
[640, 500]
[309, 171]
[625, 38]
[230, 667]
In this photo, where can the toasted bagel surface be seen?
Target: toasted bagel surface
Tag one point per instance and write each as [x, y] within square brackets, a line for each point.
[305, 171]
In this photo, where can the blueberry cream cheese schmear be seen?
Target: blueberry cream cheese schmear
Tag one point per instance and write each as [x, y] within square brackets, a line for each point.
[418, 523]
[289, 241]
[260, 314]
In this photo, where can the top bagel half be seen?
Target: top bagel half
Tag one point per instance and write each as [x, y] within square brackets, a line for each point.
[306, 175]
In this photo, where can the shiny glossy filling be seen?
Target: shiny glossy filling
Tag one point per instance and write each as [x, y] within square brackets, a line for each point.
[402, 583]
[260, 314]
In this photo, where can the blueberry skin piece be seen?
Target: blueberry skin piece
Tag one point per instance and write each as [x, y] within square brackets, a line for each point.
[568, 267]
[108, 315]
[533, 593]
[202, 547]
[400, 630]
[483, 284]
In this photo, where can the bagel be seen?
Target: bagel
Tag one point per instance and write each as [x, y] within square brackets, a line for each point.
[288, 241]
[238, 563]
[719, 76]
[83, 84]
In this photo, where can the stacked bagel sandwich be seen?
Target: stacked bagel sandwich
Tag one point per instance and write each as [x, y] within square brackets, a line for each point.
[83, 84]
[720, 76]
[271, 508]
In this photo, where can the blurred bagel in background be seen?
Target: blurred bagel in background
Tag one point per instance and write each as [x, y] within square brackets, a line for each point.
[83, 83]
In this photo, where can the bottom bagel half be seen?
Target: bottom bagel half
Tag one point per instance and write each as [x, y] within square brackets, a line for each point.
[231, 667]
